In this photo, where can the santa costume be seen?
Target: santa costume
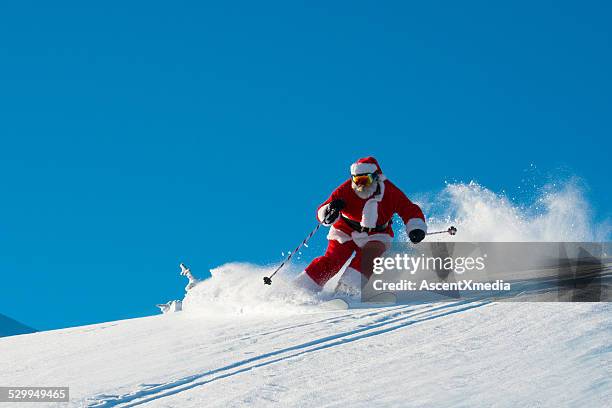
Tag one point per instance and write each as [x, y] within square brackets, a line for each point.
[359, 213]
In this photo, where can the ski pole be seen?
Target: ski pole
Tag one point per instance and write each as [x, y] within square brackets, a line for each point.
[451, 231]
[268, 279]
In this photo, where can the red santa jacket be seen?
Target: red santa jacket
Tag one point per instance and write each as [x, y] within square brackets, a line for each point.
[373, 211]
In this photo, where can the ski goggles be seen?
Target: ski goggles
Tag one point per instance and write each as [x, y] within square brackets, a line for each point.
[363, 179]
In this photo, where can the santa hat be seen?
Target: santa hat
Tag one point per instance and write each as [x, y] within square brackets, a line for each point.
[365, 165]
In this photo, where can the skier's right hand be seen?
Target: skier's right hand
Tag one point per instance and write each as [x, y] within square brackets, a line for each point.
[332, 212]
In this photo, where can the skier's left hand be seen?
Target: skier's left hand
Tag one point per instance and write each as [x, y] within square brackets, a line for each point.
[416, 235]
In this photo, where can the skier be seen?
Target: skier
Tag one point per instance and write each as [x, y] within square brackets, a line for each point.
[359, 213]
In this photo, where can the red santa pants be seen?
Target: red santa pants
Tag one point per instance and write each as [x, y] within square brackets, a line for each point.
[323, 268]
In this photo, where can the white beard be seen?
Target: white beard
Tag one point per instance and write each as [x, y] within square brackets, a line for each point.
[364, 192]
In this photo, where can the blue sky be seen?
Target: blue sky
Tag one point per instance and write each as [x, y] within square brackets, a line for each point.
[135, 135]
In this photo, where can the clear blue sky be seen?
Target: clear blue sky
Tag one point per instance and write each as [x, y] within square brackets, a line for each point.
[134, 135]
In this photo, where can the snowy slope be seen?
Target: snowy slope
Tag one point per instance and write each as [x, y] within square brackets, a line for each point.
[447, 354]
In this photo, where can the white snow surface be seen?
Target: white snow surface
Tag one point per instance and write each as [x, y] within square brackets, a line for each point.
[240, 343]
[461, 354]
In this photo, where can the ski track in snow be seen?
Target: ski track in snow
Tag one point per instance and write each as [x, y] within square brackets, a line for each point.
[458, 354]
[384, 321]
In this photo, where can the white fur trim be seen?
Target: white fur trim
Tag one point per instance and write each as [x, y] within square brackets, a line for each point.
[369, 215]
[362, 238]
[321, 212]
[416, 223]
[305, 282]
[363, 168]
[337, 235]
[351, 278]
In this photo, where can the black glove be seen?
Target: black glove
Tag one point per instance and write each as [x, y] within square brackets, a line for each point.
[416, 235]
[333, 211]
